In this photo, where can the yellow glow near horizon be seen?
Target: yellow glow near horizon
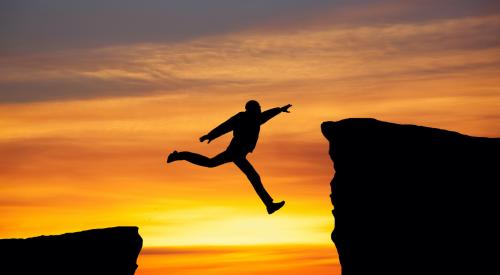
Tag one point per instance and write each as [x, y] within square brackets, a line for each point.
[268, 259]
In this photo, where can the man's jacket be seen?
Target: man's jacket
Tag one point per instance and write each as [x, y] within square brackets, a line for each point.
[245, 127]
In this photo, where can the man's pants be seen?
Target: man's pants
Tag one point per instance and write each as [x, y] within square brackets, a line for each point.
[229, 156]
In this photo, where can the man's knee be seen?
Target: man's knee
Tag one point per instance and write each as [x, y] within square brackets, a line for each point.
[212, 163]
[216, 161]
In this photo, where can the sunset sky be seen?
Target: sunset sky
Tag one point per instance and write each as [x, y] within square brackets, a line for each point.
[95, 94]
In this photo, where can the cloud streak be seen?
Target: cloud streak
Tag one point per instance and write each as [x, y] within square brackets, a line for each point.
[32, 26]
[247, 60]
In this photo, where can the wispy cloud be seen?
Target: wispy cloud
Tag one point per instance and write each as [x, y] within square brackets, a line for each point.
[32, 26]
[244, 61]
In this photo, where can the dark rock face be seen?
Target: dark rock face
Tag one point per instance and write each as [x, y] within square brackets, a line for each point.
[413, 200]
[98, 251]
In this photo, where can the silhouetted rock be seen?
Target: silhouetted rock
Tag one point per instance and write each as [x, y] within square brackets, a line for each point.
[99, 251]
[413, 200]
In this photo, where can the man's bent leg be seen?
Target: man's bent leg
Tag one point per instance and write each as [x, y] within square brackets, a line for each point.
[254, 178]
[204, 161]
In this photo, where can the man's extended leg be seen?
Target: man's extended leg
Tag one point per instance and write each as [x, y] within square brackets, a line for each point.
[247, 168]
[200, 160]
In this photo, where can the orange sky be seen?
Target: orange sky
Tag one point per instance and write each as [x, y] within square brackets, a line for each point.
[70, 164]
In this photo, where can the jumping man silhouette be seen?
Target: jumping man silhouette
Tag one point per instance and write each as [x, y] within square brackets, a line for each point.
[245, 127]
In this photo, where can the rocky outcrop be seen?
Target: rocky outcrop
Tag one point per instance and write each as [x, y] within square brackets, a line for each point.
[99, 251]
[413, 200]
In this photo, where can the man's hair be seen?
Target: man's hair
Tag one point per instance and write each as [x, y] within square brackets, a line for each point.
[252, 105]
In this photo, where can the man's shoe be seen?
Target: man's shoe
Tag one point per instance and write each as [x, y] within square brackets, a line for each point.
[172, 157]
[273, 207]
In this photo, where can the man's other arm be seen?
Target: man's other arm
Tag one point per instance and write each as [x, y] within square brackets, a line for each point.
[222, 129]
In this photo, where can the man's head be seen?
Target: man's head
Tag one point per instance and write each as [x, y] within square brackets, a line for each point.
[253, 107]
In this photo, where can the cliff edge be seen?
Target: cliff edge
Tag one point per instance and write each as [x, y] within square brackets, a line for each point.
[413, 200]
[99, 251]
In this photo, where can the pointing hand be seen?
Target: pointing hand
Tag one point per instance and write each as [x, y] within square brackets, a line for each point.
[285, 108]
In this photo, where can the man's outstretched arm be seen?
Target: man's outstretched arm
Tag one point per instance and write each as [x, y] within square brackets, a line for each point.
[220, 130]
[267, 115]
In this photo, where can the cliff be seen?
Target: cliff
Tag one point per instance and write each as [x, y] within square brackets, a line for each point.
[413, 200]
[99, 251]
